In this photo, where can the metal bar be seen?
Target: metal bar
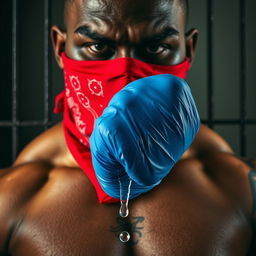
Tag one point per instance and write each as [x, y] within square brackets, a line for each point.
[210, 81]
[46, 63]
[14, 78]
[230, 121]
[24, 123]
[242, 77]
[50, 123]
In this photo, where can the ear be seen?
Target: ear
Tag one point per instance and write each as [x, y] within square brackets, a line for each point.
[191, 42]
[58, 38]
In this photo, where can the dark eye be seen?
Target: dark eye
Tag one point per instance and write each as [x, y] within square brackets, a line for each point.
[155, 48]
[98, 50]
[98, 47]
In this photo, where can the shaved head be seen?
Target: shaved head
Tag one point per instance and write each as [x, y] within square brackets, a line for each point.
[114, 4]
[152, 31]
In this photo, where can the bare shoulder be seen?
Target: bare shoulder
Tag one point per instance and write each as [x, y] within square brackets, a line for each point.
[44, 158]
[27, 186]
[206, 142]
[17, 186]
[231, 174]
[235, 179]
[50, 146]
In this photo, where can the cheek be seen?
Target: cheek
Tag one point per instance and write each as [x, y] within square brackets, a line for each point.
[71, 50]
[180, 52]
[179, 56]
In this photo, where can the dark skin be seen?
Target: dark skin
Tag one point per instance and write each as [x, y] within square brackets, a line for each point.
[159, 37]
[48, 205]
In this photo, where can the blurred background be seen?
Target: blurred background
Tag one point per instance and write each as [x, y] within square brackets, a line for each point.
[221, 79]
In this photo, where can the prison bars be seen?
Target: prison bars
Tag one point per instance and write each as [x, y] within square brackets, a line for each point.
[211, 121]
[210, 50]
[47, 63]
[46, 122]
[14, 78]
[243, 77]
[15, 84]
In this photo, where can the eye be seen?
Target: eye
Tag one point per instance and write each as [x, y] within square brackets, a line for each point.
[98, 50]
[156, 48]
[97, 47]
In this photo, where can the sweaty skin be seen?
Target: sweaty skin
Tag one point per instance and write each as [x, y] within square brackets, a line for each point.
[49, 207]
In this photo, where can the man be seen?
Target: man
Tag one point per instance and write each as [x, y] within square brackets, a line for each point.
[203, 207]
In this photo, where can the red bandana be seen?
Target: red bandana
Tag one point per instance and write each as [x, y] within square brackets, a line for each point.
[89, 86]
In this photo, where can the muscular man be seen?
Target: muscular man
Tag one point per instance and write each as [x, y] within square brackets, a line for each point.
[205, 206]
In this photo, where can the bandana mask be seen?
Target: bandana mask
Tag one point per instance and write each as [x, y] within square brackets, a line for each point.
[89, 86]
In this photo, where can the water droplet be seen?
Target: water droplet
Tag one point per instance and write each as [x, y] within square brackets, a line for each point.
[124, 236]
[123, 211]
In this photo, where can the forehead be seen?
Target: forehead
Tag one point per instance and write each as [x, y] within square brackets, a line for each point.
[126, 12]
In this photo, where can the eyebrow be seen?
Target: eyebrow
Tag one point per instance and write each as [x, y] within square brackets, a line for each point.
[86, 31]
[168, 32]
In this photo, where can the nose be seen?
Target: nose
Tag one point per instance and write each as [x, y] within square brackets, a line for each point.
[124, 51]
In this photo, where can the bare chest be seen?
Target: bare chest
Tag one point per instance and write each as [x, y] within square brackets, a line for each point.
[166, 221]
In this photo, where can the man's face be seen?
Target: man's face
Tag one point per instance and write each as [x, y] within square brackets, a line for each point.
[150, 30]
